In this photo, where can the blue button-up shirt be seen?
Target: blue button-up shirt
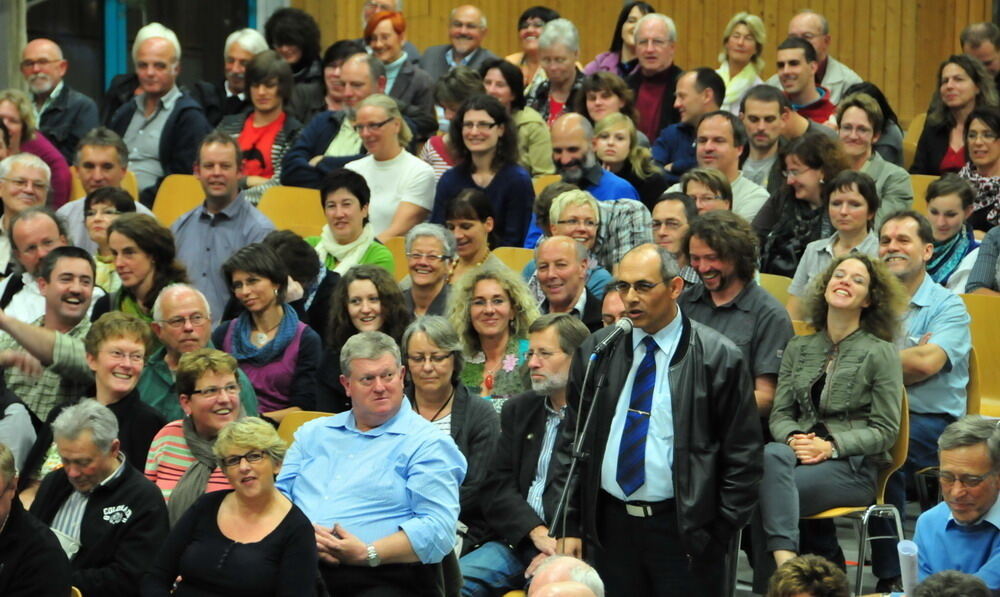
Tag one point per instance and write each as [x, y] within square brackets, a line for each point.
[403, 475]
[660, 438]
[205, 241]
[936, 310]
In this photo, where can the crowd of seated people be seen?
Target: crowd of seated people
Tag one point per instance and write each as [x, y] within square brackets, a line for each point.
[482, 419]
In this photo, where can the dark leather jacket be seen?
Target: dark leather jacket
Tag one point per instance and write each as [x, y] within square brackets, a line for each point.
[717, 460]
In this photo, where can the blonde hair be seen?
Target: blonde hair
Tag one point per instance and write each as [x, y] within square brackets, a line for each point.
[641, 158]
[523, 304]
[22, 102]
[253, 434]
[391, 108]
[756, 27]
[570, 199]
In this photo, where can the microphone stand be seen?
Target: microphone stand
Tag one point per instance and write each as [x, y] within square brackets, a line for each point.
[579, 435]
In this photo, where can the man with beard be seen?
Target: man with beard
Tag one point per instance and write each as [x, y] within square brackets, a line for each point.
[64, 115]
[573, 154]
[722, 248]
[519, 495]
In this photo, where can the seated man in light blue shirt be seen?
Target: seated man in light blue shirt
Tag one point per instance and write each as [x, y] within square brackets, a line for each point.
[934, 350]
[963, 532]
[379, 482]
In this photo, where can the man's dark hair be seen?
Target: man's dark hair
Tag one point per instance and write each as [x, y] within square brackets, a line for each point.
[690, 208]
[730, 236]
[102, 136]
[221, 138]
[793, 43]
[296, 253]
[739, 131]
[924, 229]
[976, 34]
[707, 78]
[268, 66]
[340, 51]
[30, 214]
[48, 263]
[768, 94]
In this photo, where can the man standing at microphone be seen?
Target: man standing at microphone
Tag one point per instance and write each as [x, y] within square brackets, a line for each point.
[673, 454]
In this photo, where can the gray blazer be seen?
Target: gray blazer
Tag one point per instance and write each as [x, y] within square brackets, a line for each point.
[434, 63]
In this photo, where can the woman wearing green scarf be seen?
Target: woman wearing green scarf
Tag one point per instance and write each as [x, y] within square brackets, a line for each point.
[949, 205]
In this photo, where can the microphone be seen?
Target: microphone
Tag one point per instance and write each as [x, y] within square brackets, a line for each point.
[622, 326]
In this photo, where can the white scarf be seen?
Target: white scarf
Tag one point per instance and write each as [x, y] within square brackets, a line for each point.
[347, 255]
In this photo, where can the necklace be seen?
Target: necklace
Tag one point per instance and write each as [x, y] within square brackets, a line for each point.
[260, 338]
[443, 406]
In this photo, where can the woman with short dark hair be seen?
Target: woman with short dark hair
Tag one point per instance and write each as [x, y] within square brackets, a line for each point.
[264, 131]
[276, 351]
[982, 143]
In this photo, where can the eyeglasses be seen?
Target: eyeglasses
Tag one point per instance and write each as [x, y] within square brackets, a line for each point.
[369, 380]
[197, 320]
[42, 62]
[23, 183]
[542, 354]
[967, 481]
[231, 389]
[117, 355]
[641, 287]
[420, 359]
[669, 224]
[252, 457]
[485, 126]
[985, 136]
[428, 256]
[574, 222]
[360, 128]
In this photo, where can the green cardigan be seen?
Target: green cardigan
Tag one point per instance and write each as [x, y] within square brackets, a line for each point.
[861, 410]
[377, 254]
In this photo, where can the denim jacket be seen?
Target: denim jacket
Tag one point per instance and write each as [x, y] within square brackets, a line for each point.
[861, 409]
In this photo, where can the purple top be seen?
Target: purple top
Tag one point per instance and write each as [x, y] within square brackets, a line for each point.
[61, 178]
[272, 381]
[605, 61]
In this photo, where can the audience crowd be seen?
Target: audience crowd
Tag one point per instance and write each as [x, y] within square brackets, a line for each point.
[466, 380]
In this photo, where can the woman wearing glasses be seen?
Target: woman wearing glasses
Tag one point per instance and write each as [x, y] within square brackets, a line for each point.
[486, 151]
[264, 131]
[366, 299]
[491, 309]
[574, 214]
[558, 52]
[100, 208]
[180, 459]
[837, 406]
[982, 141]
[249, 540]
[430, 254]
[402, 185]
[433, 366]
[273, 347]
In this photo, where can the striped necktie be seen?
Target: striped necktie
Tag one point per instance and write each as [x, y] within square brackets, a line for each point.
[632, 450]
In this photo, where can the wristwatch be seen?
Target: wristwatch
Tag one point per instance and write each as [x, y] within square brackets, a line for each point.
[833, 451]
[373, 559]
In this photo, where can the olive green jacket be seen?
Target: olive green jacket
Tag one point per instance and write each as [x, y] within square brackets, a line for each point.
[861, 407]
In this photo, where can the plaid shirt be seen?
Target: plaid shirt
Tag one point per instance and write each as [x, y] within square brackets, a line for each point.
[63, 382]
[625, 224]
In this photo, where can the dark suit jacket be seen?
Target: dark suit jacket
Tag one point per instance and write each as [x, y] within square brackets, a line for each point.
[70, 116]
[515, 461]
[436, 66]
[591, 316]
[931, 147]
[414, 87]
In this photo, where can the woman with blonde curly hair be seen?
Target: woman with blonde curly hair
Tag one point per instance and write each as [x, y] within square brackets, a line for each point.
[743, 42]
[248, 540]
[18, 116]
[491, 309]
[617, 147]
[838, 402]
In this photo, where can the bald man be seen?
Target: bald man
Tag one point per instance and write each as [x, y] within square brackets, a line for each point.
[64, 115]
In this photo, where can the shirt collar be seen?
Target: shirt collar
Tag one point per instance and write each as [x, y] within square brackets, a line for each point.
[166, 102]
[229, 92]
[992, 516]
[396, 425]
[449, 57]
[230, 211]
[923, 297]
[663, 337]
[52, 97]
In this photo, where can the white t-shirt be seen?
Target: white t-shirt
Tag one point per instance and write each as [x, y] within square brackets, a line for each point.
[403, 178]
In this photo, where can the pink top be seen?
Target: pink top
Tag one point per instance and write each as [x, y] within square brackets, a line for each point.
[61, 178]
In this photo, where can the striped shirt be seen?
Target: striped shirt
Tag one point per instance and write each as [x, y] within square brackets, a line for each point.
[170, 457]
[537, 489]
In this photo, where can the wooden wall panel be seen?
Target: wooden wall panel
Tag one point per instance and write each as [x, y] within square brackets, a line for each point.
[897, 44]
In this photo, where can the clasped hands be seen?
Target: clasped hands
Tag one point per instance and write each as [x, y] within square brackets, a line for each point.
[337, 546]
[810, 449]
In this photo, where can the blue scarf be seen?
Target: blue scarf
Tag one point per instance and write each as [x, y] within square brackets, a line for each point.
[948, 254]
[246, 351]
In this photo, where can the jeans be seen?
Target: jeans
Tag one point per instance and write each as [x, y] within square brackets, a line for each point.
[490, 569]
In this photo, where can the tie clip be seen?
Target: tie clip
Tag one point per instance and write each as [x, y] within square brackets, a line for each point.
[641, 412]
